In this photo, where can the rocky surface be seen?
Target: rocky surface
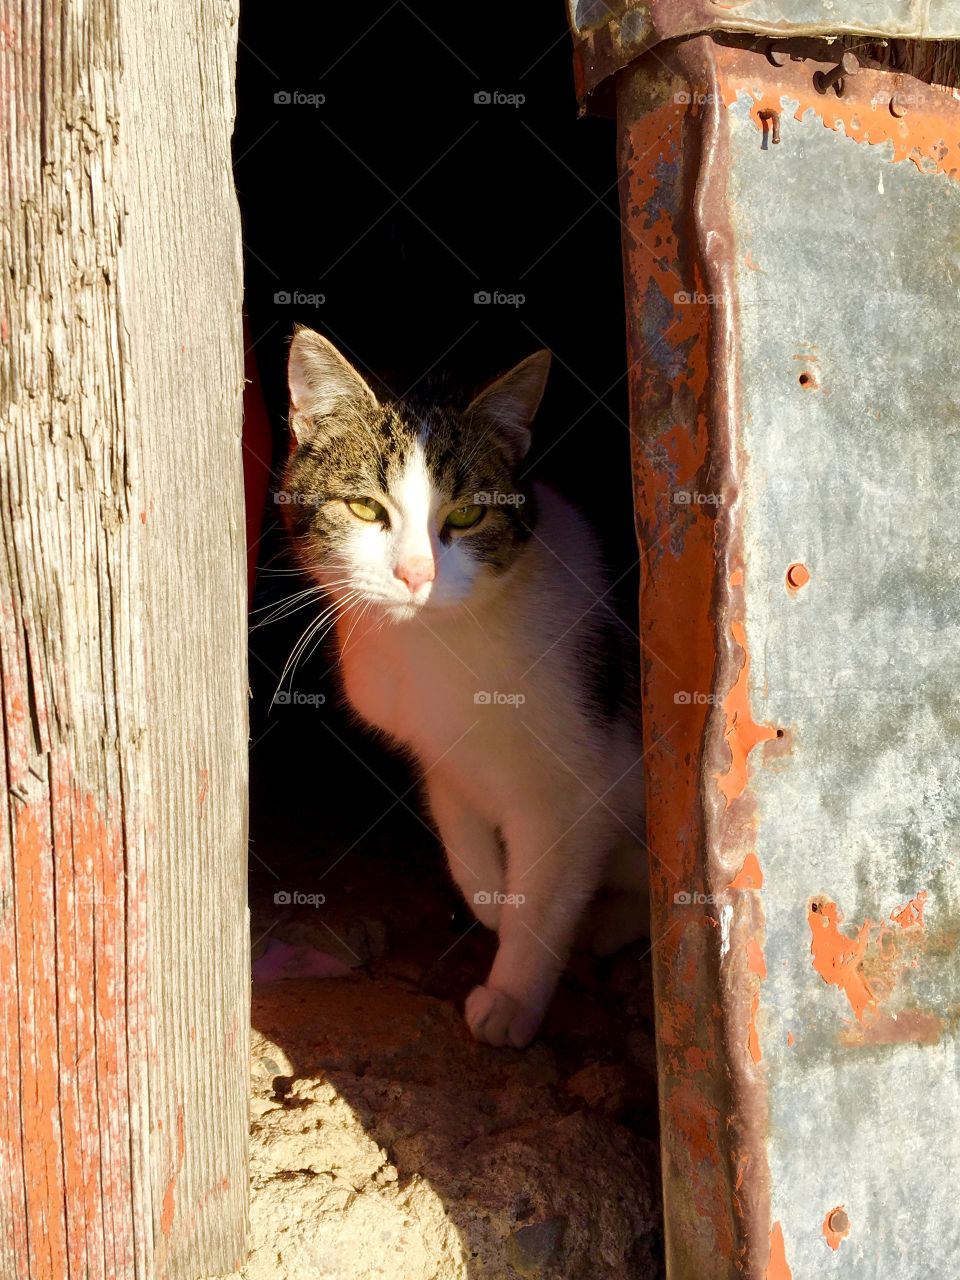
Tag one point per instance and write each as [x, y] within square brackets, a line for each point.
[385, 1143]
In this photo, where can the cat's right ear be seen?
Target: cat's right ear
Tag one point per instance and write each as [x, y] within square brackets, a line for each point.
[511, 402]
[322, 384]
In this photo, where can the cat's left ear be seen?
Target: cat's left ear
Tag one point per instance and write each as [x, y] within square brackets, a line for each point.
[511, 402]
[323, 385]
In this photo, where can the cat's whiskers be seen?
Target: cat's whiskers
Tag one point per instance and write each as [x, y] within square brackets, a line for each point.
[285, 607]
[333, 610]
[320, 638]
[364, 609]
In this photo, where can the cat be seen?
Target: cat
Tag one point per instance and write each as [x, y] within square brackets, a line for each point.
[472, 630]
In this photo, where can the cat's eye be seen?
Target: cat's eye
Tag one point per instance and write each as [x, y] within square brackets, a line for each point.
[465, 517]
[367, 509]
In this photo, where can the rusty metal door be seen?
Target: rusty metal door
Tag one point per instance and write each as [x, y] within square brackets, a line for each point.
[792, 261]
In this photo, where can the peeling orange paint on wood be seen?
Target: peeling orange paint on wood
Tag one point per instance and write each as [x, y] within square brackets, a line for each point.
[168, 1208]
[42, 1137]
[777, 1267]
[65, 973]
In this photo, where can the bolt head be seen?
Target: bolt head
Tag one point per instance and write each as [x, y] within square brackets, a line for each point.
[850, 63]
[839, 1220]
[898, 105]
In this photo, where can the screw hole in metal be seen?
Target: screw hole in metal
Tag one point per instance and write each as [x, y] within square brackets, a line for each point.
[798, 575]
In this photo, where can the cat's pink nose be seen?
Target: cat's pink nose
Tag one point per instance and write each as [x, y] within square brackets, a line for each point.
[416, 571]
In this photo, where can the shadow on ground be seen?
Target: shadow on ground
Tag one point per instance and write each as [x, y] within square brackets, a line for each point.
[385, 1143]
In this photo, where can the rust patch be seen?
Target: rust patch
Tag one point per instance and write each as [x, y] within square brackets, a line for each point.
[776, 751]
[836, 1227]
[909, 1026]
[742, 733]
[911, 913]
[777, 1267]
[670, 328]
[753, 1037]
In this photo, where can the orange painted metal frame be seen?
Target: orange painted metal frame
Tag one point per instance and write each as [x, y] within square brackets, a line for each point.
[700, 734]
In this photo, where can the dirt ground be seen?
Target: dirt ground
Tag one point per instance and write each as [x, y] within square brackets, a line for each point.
[385, 1142]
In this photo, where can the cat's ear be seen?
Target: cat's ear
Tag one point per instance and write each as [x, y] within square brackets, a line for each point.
[322, 384]
[511, 402]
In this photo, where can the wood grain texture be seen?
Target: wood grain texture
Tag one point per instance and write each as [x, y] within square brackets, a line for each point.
[123, 957]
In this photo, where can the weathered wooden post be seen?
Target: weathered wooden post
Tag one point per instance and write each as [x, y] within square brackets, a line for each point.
[791, 213]
[123, 958]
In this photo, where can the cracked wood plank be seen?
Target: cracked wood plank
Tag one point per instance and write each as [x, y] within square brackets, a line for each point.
[123, 969]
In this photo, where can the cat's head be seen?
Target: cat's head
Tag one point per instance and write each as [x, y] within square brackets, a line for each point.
[412, 504]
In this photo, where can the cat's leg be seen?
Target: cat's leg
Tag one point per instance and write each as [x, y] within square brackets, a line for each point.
[551, 876]
[472, 849]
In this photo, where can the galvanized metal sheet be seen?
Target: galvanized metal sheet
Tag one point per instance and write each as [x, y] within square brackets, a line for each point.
[848, 280]
[794, 310]
[608, 36]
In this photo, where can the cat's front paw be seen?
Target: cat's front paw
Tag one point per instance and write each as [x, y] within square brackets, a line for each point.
[496, 1018]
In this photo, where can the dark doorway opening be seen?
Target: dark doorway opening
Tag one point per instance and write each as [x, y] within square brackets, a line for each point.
[394, 164]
